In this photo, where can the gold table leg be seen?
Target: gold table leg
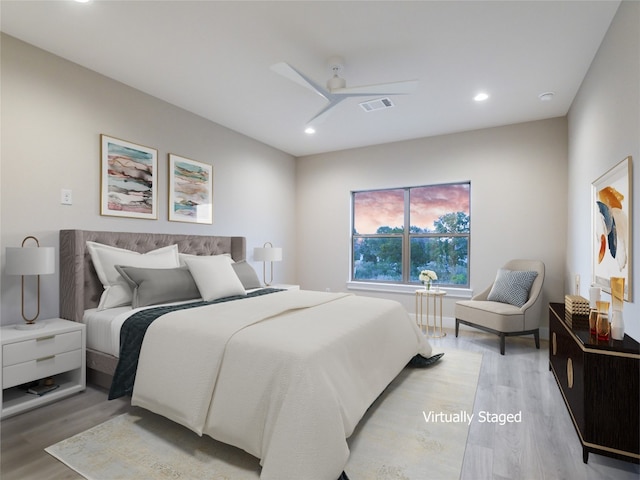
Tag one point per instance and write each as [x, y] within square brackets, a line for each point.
[436, 315]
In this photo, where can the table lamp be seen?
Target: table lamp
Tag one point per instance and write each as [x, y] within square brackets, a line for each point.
[30, 260]
[267, 253]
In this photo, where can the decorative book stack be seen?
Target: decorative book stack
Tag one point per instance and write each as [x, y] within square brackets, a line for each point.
[576, 311]
[42, 389]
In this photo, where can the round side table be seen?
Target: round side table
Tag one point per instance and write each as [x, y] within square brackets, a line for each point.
[424, 312]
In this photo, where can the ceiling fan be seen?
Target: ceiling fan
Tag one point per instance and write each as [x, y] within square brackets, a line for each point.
[336, 90]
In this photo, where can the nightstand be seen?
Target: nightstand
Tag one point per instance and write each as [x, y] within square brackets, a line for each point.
[57, 350]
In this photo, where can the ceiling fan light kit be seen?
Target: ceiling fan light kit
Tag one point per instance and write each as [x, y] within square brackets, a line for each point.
[336, 82]
[336, 65]
[337, 90]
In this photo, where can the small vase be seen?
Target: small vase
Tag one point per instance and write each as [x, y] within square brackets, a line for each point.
[617, 325]
[603, 328]
[593, 317]
[427, 286]
[617, 304]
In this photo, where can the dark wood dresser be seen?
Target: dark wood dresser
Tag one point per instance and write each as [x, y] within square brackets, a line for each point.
[599, 381]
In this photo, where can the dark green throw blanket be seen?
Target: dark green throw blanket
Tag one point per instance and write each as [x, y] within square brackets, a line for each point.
[133, 331]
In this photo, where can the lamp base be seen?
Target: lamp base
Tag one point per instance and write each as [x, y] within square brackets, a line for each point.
[29, 326]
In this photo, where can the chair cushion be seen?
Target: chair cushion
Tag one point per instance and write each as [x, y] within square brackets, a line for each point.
[502, 317]
[512, 287]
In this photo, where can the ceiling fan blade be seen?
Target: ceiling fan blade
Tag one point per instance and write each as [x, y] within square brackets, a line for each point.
[395, 88]
[324, 113]
[300, 78]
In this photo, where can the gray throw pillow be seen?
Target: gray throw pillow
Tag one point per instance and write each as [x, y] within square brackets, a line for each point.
[512, 286]
[153, 286]
[246, 274]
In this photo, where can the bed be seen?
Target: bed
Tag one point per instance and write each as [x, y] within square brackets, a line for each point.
[283, 375]
[80, 287]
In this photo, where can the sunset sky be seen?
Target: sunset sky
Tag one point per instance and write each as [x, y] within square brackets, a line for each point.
[386, 207]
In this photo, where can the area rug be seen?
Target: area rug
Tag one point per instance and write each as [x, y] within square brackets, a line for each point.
[416, 429]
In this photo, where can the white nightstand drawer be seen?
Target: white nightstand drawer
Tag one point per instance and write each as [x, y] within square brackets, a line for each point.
[44, 346]
[44, 366]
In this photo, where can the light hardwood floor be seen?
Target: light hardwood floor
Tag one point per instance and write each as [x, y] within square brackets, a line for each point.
[543, 446]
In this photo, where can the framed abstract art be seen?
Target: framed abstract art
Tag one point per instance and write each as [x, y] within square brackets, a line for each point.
[190, 190]
[611, 204]
[128, 179]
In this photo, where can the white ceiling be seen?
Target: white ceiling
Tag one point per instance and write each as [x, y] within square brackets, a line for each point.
[213, 57]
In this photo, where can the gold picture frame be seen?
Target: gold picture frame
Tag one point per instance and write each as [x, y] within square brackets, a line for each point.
[611, 227]
[128, 179]
[190, 190]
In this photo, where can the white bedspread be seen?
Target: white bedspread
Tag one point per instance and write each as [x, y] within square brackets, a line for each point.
[285, 376]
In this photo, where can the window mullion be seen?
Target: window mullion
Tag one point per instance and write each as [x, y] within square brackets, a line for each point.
[406, 243]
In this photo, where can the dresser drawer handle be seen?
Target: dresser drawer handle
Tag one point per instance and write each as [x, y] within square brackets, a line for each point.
[554, 344]
[569, 373]
[45, 358]
[48, 337]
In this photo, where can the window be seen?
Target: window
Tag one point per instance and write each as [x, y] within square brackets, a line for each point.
[398, 232]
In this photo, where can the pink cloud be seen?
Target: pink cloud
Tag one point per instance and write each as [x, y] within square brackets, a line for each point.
[386, 207]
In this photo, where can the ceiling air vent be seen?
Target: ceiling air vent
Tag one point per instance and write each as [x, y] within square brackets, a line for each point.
[378, 104]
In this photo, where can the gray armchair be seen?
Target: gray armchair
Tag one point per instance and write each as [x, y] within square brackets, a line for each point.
[507, 307]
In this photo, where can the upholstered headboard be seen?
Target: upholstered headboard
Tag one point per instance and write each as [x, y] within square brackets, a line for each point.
[80, 287]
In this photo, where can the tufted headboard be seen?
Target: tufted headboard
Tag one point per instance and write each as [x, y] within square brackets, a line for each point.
[80, 287]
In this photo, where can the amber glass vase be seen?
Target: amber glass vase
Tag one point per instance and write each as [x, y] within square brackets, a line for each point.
[603, 327]
[593, 319]
[617, 293]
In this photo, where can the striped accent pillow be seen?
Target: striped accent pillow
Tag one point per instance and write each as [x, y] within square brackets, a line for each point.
[512, 286]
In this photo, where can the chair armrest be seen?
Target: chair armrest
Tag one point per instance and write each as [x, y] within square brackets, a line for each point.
[484, 294]
[529, 303]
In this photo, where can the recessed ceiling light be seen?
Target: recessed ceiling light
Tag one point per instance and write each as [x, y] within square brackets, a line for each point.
[481, 97]
[309, 130]
[82, 1]
[546, 96]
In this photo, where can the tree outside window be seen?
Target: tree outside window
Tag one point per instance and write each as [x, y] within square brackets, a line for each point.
[399, 232]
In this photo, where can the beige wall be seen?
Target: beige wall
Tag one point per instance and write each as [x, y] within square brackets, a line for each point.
[53, 113]
[518, 177]
[604, 128]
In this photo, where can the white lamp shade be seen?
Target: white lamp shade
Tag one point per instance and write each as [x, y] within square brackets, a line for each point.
[267, 254]
[30, 260]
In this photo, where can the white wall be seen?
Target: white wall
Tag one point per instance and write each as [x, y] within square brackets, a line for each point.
[518, 177]
[53, 113]
[604, 128]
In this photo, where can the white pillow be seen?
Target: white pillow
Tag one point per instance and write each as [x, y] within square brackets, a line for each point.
[116, 290]
[214, 277]
[184, 256]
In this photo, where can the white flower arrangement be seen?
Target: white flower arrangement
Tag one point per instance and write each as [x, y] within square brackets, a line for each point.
[427, 276]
